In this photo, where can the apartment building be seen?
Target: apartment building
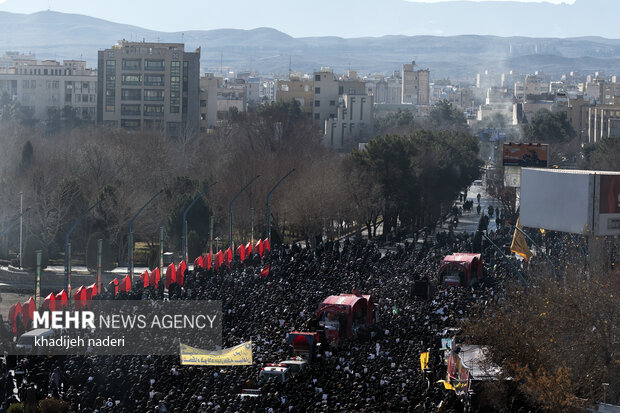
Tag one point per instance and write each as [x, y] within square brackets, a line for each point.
[152, 86]
[329, 90]
[41, 86]
[603, 122]
[297, 89]
[352, 123]
[415, 85]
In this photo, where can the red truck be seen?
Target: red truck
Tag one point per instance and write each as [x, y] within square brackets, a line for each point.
[461, 269]
[346, 315]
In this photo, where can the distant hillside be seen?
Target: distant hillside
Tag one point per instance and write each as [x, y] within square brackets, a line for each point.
[71, 36]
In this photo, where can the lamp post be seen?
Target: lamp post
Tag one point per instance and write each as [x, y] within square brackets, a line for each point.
[68, 247]
[184, 235]
[268, 208]
[130, 234]
[21, 226]
[230, 212]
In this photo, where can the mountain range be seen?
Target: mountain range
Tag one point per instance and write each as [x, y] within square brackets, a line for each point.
[61, 36]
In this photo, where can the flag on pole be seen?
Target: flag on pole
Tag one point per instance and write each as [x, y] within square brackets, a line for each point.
[266, 245]
[519, 245]
[265, 271]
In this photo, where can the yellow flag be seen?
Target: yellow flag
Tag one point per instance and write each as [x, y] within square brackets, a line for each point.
[519, 245]
[240, 355]
[424, 360]
[446, 385]
[542, 231]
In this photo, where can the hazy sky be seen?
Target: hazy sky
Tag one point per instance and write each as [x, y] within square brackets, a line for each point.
[184, 15]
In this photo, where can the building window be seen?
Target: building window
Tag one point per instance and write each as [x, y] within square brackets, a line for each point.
[317, 90]
[130, 94]
[175, 55]
[153, 110]
[317, 103]
[203, 103]
[26, 84]
[33, 84]
[175, 109]
[317, 116]
[317, 78]
[67, 97]
[332, 103]
[111, 54]
[154, 65]
[132, 64]
[130, 124]
[153, 80]
[153, 94]
[131, 80]
[130, 110]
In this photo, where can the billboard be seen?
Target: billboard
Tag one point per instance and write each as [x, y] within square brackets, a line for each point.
[579, 202]
[533, 155]
[608, 196]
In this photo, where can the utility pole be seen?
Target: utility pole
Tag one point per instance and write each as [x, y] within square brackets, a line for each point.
[21, 226]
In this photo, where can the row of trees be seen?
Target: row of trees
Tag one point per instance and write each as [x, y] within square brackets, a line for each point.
[408, 180]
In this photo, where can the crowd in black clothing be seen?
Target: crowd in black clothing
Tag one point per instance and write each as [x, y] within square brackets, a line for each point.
[381, 373]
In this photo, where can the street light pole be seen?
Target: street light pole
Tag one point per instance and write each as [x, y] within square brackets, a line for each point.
[21, 226]
[230, 212]
[268, 208]
[130, 234]
[184, 235]
[68, 247]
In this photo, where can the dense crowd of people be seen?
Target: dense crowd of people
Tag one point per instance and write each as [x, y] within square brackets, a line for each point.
[381, 373]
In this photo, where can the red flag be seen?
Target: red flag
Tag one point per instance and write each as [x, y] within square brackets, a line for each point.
[259, 248]
[144, 278]
[266, 244]
[125, 284]
[62, 300]
[91, 291]
[219, 260]
[154, 278]
[171, 275]
[248, 249]
[114, 284]
[265, 271]
[241, 252]
[14, 312]
[28, 311]
[80, 298]
[198, 263]
[181, 272]
[48, 303]
[228, 256]
[209, 261]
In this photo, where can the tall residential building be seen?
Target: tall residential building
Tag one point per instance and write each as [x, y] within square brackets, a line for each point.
[329, 91]
[415, 85]
[352, 123]
[149, 86]
[296, 89]
[42, 86]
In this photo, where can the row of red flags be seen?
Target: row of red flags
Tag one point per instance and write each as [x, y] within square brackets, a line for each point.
[83, 295]
[225, 257]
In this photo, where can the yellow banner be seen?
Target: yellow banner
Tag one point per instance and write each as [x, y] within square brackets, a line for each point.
[519, 245]
[424, 360]
[240, 355]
